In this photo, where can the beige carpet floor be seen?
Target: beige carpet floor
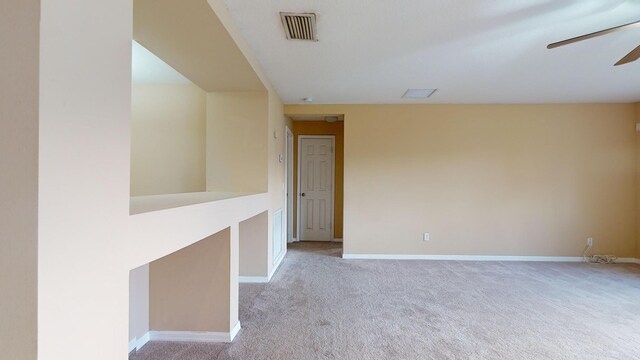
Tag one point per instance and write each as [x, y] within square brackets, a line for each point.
[319, 306]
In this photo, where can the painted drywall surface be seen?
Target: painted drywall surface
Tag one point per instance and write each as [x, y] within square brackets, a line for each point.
[322, 128]
[488, 179]
[85, 97]
[84, 186]
[637, 108]
[84, 162]
[189, 289]
[194, 47]
[230, 27]
[156, 234]
[277, 122]
[138, 302]
[253, 245]
[87, 240]
[236, 146]
[168, 124]
[19, 39]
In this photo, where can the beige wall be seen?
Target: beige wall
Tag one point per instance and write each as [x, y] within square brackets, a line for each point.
[276, 125]
[488, 179]
[322, 128]
[138, 302]
[253, 245]
[167, 139]
[637, 108]
[202, 47]
[19, 41]
[189, 290]
[236, 141]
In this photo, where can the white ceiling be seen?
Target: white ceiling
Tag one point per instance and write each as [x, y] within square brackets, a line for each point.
[473, 51]
[147, 68]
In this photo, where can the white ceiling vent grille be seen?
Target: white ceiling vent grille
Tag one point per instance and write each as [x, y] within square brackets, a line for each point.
[299, 26]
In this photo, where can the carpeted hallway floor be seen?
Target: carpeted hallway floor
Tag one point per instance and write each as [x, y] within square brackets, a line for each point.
[319, 306]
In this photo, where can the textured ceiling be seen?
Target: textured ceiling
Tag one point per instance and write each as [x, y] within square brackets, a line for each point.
[473, 51]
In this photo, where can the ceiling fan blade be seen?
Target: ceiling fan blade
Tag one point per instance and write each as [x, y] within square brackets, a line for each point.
[593, 34]
[632, 56]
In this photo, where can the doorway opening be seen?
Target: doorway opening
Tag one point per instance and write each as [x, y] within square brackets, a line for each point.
[317, 196]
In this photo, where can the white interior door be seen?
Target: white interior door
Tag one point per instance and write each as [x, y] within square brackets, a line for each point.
[316, 160]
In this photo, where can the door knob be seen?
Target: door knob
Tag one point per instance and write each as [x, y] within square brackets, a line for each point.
[303, 194]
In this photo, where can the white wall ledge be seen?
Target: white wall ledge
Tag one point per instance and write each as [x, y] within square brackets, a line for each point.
[149, 203]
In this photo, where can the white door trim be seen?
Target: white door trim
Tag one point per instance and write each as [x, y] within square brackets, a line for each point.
[333, 180]
[288, 150]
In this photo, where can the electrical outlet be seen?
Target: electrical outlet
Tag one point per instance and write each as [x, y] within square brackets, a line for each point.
[425, 237]
[589, 241]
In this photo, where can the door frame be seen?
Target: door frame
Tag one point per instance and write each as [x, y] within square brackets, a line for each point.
[288, 187]
[333, 182]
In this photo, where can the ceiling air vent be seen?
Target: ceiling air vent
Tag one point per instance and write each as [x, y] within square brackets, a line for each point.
[299, 26]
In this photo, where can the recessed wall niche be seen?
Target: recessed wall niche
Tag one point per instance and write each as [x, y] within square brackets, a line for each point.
[168, 128]
[199, 111]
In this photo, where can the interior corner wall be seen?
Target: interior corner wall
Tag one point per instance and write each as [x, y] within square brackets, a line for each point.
[276, 137]
[190, 289]
[168, 131]
[637, 108]
[529, 180]
[322, 128]
[87, 241]
[83, 179]
[254, 246]
[138, 302]
[236, 141]
[19, 94]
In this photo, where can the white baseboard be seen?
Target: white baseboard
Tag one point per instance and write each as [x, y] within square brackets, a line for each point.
[195, 336]
[628, 261]
[234, 331]
[463, 257]
[337, 240]
[476, 258]
[263, 279]
[132, 344]
[142, 341]
[277, 264]
[253, 279]
[137, 344]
